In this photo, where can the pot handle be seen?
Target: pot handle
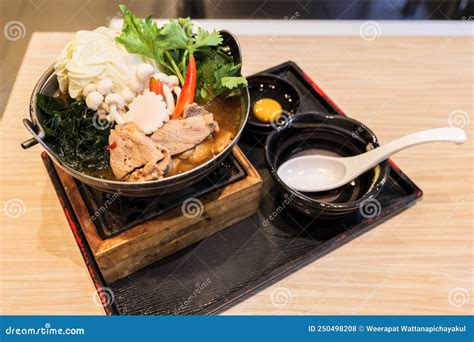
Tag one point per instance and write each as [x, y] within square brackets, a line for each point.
[29, 143]
[36, 137]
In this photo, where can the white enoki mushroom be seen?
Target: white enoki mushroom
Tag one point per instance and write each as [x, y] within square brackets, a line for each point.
[105, 107]
[113, 106]
[115, 101]
[161, 76]
[136, 85]
[168, 98]
[177, 90]
[144, 71]
[122, 113]
[173, 81]
[128, 95]
[104, 87]
[88, 89]
[101, 113]
[94, 100]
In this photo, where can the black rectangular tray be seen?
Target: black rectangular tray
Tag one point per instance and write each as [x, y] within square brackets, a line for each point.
[224, 269]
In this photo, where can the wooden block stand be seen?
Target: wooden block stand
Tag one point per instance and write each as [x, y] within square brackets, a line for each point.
[157, 238]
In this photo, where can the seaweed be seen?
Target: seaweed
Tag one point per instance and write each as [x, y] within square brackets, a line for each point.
[75, 132]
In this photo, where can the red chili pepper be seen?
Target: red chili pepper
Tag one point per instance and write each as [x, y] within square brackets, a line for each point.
[112, 146]
[189, 88]
[156, 86]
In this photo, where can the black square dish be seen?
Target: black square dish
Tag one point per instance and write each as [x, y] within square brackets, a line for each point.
[228, 267]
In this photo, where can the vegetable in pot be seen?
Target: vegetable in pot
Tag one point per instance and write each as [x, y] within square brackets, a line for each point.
[171, 46]
[156, 86]
[187, 93]
[77, 134]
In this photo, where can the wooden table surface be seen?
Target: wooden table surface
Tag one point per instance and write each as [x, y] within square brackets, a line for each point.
[420, 262]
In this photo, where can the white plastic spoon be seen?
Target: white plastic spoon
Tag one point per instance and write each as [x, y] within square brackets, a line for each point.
[313, 173]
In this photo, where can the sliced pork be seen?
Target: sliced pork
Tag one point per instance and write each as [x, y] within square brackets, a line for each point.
[194, 109]
[181, 135]
[136, 157]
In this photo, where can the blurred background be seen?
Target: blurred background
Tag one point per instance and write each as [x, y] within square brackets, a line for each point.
[72, 15]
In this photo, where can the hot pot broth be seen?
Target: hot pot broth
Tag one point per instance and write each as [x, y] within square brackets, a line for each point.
[228, 112]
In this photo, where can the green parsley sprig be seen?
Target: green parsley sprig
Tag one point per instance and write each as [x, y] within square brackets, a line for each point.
[170, 46]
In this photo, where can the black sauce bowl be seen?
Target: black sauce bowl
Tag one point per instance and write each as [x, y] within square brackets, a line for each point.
[273, 87]
[310, 133]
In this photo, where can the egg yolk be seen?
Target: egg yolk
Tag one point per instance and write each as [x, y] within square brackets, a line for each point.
[267, 110]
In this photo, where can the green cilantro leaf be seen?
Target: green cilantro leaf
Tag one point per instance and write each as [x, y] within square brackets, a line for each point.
[170, 46]
[138, 36]
[206, 38]
[172, 36]
[233, 82]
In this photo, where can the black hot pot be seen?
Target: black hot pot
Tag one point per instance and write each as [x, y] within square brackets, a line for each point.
[48, 85]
